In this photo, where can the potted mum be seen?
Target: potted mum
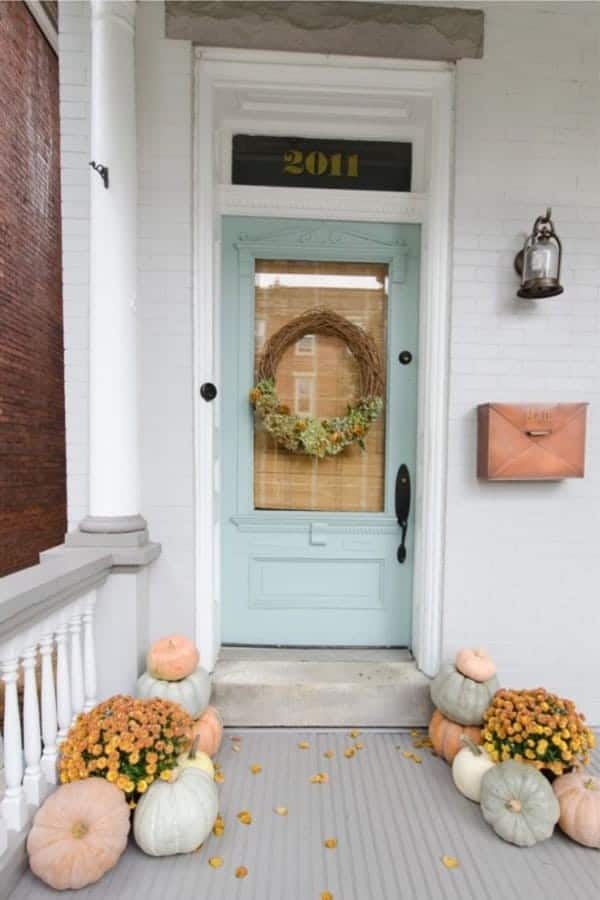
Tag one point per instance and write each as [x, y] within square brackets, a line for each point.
[129, 742]
[539, 728]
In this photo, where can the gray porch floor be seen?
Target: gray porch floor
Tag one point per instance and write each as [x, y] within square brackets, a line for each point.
[393, 819]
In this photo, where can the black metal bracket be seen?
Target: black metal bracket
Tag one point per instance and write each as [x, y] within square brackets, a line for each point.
[101, 170]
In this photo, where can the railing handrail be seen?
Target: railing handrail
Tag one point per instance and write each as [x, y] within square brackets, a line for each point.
[32, 593]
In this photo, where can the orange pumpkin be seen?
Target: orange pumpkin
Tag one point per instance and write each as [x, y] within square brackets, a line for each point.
[475, 664]
[172, 658]
[446, 736]
[78, 834]
[209, 730]
[579, 800]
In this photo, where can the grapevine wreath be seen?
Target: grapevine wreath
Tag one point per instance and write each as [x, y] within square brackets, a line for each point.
[305, 434]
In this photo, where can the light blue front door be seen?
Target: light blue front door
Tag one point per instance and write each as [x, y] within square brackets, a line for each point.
[310, 547]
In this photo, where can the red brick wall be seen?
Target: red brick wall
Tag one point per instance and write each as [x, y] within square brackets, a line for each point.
[32, 415]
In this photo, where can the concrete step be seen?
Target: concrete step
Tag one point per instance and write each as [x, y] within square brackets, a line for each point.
[321, 688]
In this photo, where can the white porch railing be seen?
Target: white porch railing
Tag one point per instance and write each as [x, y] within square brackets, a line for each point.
[48, 668]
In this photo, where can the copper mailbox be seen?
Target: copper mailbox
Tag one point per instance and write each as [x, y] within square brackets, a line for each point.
[531, 442]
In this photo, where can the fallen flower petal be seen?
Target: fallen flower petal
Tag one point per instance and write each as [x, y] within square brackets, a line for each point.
[215, 862]
[244, 817]
[329, 754]
[219, 826]
[303, 745]
[255, 769]
[349, 753]
[281, 810]
[241, 872]
[321, 778]
[450, 862]
[330, 843]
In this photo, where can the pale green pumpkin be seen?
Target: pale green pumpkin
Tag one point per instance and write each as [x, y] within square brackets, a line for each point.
[459, 698]
[193, 692]
[519, 803]
[176, 816]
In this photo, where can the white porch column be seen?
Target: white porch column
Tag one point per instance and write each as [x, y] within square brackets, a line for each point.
[114, 454]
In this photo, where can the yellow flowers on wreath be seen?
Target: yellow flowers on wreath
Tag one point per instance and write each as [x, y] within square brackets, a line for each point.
[538, 728]
[310, 436]
[129, 742]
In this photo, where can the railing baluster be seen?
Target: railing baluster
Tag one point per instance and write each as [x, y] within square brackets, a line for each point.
[33, 783]
[63, 683]
[49, 755]
[89, 653]
[77, 695]
[13, 804]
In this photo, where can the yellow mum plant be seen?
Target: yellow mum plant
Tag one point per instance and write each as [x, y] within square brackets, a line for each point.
[129, 742]
[538, 728]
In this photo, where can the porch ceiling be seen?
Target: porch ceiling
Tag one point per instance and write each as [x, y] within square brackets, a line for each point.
[392, 30]
[393, 820]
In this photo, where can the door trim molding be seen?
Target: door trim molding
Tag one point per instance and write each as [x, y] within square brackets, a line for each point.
[223, 74]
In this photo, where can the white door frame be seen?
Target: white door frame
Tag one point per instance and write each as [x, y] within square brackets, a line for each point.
[254, 91]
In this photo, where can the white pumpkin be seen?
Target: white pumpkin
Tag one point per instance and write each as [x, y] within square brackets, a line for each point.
[468, 768]
[196, 759]
[193, 692]
[176, 816]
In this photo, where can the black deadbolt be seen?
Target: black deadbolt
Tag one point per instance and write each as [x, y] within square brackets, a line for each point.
[405, 357]
[208, 391]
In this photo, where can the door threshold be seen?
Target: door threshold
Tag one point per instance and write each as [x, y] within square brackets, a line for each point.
[260, 653]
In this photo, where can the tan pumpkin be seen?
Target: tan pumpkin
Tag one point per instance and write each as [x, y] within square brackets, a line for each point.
[579, 799]
[172, 658]
[78, 834]
[209, 729]
[475, 664]
[446, 736]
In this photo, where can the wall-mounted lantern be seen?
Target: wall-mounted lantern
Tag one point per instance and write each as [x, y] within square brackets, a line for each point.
[538, 263]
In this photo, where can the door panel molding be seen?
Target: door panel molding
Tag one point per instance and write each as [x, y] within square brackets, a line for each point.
[301, 522]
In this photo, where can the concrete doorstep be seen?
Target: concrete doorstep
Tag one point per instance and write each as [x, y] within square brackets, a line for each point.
[284, 687]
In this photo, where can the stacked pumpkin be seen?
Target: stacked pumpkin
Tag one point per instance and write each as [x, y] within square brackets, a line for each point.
[516, 799]
[173, 673]
[81, 830]
[461, 693]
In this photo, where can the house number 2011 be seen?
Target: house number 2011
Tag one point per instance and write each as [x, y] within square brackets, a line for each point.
[297, 162]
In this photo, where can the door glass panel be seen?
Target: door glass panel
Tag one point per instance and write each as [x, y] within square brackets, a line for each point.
[318, 376]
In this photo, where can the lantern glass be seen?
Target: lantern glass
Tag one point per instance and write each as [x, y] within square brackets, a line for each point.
[540, 260]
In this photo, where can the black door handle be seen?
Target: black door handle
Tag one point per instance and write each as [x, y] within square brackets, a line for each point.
[402, 507]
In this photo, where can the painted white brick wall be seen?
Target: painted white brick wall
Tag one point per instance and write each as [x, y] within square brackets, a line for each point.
[522, 567]
[522, 564]
[164, 121]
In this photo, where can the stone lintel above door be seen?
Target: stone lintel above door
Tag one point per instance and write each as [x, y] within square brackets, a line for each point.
[391, 30]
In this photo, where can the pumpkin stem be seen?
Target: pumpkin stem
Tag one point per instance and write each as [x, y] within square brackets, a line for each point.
[194, 747]
[79, 830]
[473, 747]
[590, 784]
[514, 805]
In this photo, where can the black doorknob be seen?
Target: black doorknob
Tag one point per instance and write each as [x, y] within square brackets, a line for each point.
[208, 391]
[405, 357]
